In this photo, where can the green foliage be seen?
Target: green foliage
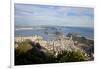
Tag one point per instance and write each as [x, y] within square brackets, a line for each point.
[24, 46]
[71, 56]
[29, 53]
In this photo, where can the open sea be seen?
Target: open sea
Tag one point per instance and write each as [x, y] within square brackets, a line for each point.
[48, 32]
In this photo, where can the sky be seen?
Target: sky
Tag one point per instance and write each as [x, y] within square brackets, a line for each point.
[36, 15]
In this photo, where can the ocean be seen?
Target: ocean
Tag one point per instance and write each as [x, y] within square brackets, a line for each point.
[50, 32]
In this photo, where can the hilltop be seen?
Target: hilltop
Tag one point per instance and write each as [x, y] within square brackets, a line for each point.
[71, 43]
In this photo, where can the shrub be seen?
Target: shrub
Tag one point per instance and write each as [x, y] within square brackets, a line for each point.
[71, 56]
[29, 53]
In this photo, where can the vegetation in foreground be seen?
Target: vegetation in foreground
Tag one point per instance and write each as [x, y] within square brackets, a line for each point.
[29, 52]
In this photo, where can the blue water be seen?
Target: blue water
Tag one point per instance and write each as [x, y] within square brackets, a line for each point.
[48, 33]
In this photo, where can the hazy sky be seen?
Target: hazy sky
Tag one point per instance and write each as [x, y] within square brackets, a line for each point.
[28, 14]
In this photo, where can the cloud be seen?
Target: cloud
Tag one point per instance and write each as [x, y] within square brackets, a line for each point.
[53, 15]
